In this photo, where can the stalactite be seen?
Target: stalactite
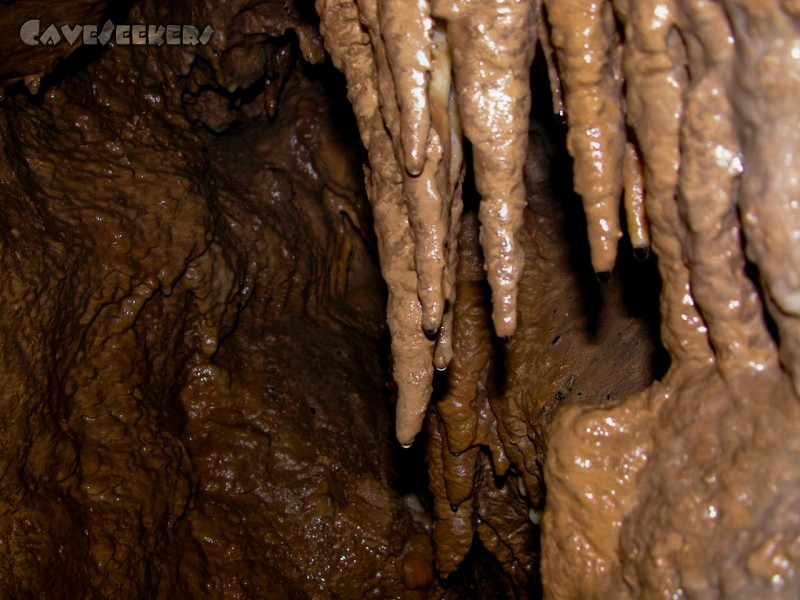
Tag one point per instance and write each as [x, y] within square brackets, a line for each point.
[584, 36]
[763, 92]
[352, 52]
[655, 75]
[423, 107]
[472, 344]
[453, 527]
[707, 196]
[492, 45]
[406, 32]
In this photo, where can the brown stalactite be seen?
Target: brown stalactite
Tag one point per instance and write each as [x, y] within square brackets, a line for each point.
[472, 345]
[584, 37]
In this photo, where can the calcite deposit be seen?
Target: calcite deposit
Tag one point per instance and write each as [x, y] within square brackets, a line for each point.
[548, 246]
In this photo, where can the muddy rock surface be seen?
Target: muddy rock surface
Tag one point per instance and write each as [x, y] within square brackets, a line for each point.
[193, 354]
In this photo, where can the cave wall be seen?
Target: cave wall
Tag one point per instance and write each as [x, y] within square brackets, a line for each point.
[193, 360]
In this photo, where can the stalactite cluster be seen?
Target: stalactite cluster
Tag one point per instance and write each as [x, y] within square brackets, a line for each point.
[681, 116]
[417, 74]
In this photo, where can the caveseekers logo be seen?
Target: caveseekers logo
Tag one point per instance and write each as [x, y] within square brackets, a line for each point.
[145, 35]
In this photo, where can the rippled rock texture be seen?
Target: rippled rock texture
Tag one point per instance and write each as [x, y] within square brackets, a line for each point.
[193, 356]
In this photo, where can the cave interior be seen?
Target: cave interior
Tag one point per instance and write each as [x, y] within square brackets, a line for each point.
[440, 299]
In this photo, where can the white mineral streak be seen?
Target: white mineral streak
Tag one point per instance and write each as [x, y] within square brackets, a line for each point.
[445, 120]
[584, 36]
[543, 34]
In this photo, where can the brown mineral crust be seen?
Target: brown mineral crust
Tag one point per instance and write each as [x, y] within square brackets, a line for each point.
[239, 53]
[503, 525]
[251, 49]
[290, 486]
[275, 471]
[722, 525]
[169, 432]
[459, 472]
[126, 477]
[416, 565]
[132, 232]
[488, 432]
[593, 459]
[453, 526]
[472, 344]
[40, 529]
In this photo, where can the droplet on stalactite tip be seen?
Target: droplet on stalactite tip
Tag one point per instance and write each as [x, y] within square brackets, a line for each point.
[430, 332]
[641, 253]
[415, 162]
[603, 276]
[32, 82]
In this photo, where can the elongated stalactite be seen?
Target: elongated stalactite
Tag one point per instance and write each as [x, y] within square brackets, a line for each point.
[418, 74]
